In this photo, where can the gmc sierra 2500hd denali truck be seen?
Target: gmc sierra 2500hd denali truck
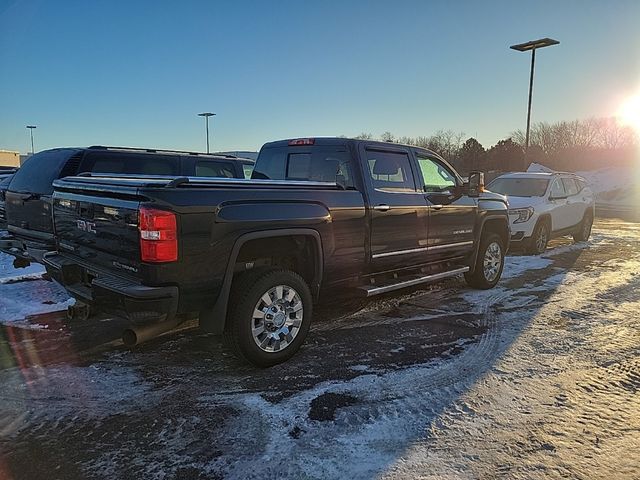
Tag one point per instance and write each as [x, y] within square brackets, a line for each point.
[251, 257]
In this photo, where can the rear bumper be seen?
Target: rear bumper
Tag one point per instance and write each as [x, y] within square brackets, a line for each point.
[26, 244]
[113, 294]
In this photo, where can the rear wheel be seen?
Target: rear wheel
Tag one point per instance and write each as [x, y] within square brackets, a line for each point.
[540, 238]
[270, 316]
[489, 263]
[584, 232]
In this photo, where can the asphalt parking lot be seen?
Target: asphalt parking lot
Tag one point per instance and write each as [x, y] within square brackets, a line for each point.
[537, 378]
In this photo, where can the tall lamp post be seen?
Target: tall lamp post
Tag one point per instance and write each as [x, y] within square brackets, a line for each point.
[525, 47]
[206, 116]
[31, 127]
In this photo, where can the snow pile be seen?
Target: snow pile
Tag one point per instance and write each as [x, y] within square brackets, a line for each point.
[537, 168]
[615, 187]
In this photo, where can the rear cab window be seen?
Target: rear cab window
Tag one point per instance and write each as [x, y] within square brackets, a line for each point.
[314, 163]
[40, 170]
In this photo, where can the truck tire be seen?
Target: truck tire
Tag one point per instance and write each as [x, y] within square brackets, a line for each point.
[489, 263]
[540, 238]
[584, 231]
[269, 316]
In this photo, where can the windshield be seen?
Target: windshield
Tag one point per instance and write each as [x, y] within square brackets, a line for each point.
[519, 187]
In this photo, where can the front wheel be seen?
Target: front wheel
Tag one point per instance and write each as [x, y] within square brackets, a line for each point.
[489, 263]
[540, 238]
[270, 316]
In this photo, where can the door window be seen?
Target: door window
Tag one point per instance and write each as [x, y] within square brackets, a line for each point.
[390, 171]
[436, 176]
[570, 186]
[557, 189]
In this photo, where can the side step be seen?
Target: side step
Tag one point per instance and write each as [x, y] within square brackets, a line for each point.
[371, 290]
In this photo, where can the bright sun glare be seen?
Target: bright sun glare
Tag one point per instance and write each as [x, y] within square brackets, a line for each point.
[629, 112]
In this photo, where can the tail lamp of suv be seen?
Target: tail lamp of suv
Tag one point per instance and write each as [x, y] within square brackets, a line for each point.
[158, 235]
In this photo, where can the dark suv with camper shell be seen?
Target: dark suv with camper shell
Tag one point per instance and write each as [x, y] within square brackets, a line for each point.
[28, 197]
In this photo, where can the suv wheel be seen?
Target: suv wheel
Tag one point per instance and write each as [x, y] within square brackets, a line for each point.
[540, 238]
[489, 263]
[270, 315]
[584, 232]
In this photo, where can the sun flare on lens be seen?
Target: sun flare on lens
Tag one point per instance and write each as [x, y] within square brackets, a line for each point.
[629, 113]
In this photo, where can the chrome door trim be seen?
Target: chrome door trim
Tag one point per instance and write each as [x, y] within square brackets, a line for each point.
[422, 249]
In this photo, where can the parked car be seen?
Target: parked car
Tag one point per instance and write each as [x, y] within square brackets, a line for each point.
[28, 197]
[252, 256]
[4, 185]
[546, 205]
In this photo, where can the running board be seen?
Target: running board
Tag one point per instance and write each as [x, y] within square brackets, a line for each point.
[371, 290]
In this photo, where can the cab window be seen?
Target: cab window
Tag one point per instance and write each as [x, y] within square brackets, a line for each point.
[390, 171]
[436, 176]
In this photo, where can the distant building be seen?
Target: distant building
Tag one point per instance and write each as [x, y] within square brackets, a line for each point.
[9, 158]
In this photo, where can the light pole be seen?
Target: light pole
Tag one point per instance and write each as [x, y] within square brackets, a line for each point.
[206, 116]
[31, 127]
[525, 47]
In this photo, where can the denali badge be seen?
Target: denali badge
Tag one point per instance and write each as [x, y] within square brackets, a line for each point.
[86, 226]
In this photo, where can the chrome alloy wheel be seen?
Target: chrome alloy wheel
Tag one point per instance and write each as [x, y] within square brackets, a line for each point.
[541, 240]
[277, 318]
[492, 261]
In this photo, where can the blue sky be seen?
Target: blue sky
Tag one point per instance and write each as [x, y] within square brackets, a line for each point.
[136, 73]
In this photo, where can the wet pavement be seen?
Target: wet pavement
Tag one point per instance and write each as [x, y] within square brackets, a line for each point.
[537, 378]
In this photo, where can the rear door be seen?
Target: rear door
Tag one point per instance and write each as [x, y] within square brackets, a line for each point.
[452, 216]
[397, 209]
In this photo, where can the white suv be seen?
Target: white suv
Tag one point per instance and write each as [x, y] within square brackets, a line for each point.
[546, 205]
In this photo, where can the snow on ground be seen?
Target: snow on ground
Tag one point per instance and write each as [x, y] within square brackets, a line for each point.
[24, 292]
[8, 273]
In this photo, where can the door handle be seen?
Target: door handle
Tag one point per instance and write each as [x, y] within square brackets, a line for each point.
[436, 207]
[382, 208]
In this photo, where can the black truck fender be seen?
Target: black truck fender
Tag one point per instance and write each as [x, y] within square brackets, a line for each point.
[213, 320]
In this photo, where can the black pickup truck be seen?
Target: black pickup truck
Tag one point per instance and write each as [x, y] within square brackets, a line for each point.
[251, 257]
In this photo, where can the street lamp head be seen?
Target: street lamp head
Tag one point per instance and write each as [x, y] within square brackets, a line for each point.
[32, 126]
[534, 44]
[206, 114]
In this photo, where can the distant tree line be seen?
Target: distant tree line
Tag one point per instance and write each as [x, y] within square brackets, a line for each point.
[573, 146]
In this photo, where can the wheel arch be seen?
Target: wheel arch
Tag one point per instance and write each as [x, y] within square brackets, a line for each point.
[214, 319]
[498, 224]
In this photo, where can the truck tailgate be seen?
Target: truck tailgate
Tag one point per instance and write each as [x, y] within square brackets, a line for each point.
[102, 230]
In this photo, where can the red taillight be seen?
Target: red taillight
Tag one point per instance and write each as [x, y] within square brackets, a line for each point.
[302, 141]
[158, 235]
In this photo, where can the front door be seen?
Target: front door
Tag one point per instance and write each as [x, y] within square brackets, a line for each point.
[452, 216]
[397, 209]
[561, 212]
